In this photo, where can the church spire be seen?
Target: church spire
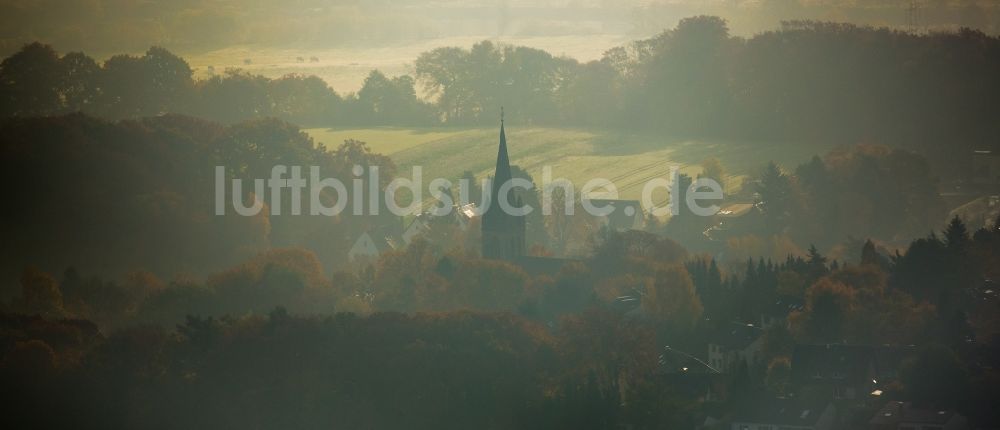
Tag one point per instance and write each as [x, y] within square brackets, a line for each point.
[503, 233]
[502, 173]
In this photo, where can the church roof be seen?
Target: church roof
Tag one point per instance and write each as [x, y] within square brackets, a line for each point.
[502, 172]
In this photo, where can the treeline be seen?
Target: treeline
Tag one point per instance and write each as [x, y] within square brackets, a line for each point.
[806, 80]
[37, 81]
[565, 349]
[457, 370]
[140, 194]
[937, 294]
[938, 289]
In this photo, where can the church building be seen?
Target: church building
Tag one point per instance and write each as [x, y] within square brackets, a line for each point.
[503, 233]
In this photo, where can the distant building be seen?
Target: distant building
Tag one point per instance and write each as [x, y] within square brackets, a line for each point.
[460, 216]
[780, 414]
[733, 344]
[503, 233]
[777, 313]
[985, 167]
[626, 214]
[845, 371]
[904, 416]
[367, 248]
[738, 219]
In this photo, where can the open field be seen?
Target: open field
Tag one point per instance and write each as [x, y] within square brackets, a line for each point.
[345, 68]
[629, 160]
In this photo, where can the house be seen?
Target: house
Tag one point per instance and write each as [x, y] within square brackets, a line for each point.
[985, 167]
[845, 371]
[735, 343]
[694, 383]
[460, 216]
[833, 371]
[367, 248]
[737, 219]
[777, 313]
[419, 225]
[625, 214]
[767, 413]
[897, 415]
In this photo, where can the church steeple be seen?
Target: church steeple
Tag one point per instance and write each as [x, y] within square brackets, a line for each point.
[501, 174]
[503, 233]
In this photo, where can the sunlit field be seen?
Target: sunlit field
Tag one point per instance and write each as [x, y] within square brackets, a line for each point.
[345, 69]
[628, 160]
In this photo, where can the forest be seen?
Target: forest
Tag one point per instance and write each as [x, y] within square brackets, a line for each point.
[805, 80]
[854, 278]
[419, 338]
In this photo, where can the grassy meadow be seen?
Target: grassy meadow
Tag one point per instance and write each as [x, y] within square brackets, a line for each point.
[628, 160]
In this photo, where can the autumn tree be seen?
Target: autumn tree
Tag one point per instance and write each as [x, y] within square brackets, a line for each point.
[671, 298]
[829, 306]
[40, 293]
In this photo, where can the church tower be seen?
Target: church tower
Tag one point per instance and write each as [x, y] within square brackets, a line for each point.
[503, 233]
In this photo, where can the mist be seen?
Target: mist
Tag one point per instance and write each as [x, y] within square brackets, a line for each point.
[188, 26]
[507, 214]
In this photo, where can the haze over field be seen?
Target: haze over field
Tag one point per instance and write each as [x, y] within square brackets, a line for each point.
[345, 67]
[577, 155]
[350, 37]
[701, 214]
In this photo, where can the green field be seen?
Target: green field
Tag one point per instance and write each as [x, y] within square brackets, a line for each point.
[345, 67]
[578, 155]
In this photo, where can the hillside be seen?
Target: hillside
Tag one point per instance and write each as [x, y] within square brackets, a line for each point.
[575, 154]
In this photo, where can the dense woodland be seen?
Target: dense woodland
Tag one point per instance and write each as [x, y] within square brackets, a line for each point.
[127, 303]
[806, 80]
[562, 352]
[143, 198]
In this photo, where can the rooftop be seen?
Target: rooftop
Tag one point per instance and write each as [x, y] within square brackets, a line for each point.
[904, 412]
[781, 411]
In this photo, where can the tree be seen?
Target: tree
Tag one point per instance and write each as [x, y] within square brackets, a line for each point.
[444, 73]
[79, 85]
[390, 101]
[305, 100]
[711, 168]
[40, 293]
[471, 187]
[947, 388]
[828, 308]
[535, 223]
[776, 198]
[156, 83]
[683, 87]
[926, 271]
[956, 236]
[234, 96]
[489, 285]
[817, 264]
[671, 298]
[625, 252]
[778, 376]
[30, 81]
[869, 255]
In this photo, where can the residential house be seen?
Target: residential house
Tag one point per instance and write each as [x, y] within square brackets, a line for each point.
[625, 214]
[897, 415]
[767, 413]
[734, 344]
[851, 372]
